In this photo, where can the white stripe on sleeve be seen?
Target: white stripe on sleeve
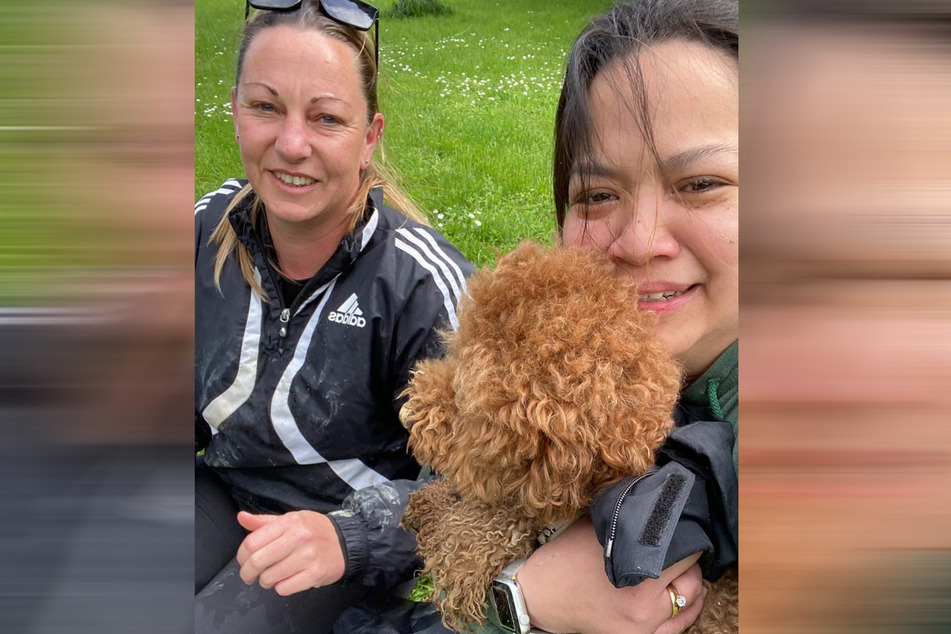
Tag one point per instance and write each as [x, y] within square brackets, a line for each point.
[437, 278]
[429, 238]
[424, 248]
[229, 186]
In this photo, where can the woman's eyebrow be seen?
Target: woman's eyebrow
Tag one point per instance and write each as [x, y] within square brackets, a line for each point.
[313, 99]
[677, 161]
[327, 97]
[263, 85]
[595, 169]
[688, 157]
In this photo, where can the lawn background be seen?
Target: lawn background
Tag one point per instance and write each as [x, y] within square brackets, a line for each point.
[469, 101]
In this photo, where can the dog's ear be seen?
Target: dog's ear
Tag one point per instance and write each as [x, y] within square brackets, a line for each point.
[557, 485]
[431, 409]
[613, 430]
[560, 477]
[428, 506]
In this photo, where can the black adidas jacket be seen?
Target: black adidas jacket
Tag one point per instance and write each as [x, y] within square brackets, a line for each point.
[297, 406]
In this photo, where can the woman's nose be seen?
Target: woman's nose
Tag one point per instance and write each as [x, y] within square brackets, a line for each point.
[645, 233]
[293, 143]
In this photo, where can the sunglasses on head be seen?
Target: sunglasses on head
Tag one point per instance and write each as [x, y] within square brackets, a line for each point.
[352, 13]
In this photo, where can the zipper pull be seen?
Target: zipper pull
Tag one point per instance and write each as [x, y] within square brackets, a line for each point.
[285, 318]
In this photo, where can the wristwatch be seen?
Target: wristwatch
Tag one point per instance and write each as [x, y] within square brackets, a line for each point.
[506, 605]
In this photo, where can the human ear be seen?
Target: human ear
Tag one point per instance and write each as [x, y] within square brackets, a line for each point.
[374, 132]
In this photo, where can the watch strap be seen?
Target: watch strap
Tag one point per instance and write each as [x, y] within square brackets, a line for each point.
[509, 572]
[513, 567]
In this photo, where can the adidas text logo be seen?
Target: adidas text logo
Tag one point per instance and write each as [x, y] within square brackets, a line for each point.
[349, 313]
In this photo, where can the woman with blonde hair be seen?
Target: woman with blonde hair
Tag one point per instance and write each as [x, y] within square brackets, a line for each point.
[314, 299]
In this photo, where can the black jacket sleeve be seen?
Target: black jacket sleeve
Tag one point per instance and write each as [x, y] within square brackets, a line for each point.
[202, 432]
[378, 552]
[687, 504]
[202, 232]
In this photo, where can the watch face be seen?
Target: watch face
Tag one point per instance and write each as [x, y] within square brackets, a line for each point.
[504, 607]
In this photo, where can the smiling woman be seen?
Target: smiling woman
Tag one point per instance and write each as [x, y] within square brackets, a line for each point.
[666, 208]
[646, 170]
[314, 300]
[306, 134]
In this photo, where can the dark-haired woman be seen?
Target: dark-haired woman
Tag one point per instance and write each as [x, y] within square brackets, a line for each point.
[647, 169]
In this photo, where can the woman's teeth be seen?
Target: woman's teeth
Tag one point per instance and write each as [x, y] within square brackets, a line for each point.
[298, 181]
[660, 297]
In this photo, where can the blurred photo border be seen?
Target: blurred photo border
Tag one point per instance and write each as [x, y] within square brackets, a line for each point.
[845, 456]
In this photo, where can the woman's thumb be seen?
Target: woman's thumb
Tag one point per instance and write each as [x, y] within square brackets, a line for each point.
[253, 522]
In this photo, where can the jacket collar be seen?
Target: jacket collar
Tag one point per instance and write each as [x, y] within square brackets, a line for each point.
[723, 376]
[257, 240]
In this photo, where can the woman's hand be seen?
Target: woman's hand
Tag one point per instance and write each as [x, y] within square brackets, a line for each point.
[566, 590]
[291, 552]
[689, 584]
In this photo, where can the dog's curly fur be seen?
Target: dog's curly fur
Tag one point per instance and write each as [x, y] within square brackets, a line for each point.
[552, 388]
[721, 607]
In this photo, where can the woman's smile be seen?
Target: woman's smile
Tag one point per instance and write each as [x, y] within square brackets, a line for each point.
[661, 301]
[293, 180]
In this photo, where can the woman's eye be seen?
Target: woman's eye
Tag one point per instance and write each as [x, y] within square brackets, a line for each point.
[700, 185]
[263, 107]
[329, 120]
[593, 198]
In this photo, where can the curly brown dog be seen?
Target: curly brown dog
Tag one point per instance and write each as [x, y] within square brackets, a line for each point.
[552, 388]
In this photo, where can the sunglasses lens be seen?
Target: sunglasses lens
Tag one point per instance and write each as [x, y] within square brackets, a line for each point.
[355, 13]
[274, 5]
[359, 15]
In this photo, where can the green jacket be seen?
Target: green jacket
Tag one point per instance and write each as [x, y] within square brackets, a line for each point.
[718, 390]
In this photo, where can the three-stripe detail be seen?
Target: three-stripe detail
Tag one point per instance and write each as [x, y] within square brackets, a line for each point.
[450, 281]
[228, 187]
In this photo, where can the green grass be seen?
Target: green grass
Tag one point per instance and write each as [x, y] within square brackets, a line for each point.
[469, 101]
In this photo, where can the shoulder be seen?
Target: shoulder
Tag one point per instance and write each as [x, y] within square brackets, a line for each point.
[210, 206]
[419, 246]
[424, 273]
